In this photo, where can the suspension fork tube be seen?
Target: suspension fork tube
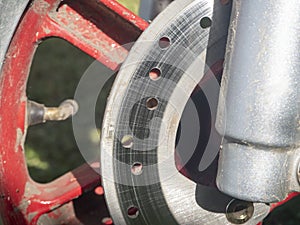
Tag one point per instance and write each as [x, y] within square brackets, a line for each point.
[258, 112]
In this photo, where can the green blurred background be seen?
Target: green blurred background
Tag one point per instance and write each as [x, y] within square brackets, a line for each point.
[50, 148]
[57, 67]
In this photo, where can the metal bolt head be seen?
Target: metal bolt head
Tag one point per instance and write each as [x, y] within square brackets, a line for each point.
[239, 212]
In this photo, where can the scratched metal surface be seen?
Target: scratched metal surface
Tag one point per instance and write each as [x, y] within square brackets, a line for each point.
[160, 194]
[10, 13]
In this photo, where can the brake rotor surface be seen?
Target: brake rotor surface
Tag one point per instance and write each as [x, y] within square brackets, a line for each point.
[142, 184]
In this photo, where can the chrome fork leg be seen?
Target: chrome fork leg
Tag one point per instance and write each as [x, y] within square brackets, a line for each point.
[258, 111]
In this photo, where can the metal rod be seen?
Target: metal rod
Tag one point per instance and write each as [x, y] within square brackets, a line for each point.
[38, 113]
[258, 111]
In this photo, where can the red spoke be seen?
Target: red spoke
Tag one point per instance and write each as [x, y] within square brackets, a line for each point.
[96, 27]
[46, 197]
[99, 28]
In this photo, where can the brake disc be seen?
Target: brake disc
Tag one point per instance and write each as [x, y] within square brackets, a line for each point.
[142, 184]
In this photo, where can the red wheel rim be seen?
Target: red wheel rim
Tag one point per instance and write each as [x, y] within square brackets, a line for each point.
[24, 201]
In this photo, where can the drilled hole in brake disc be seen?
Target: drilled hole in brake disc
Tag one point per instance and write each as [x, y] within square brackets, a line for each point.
[137, 168]
[152, 103]
[155, 74]
[127, 141]
[133, 212]
[164, 42]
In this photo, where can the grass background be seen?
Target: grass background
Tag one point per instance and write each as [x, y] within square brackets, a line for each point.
[50, 148]
[56, 70]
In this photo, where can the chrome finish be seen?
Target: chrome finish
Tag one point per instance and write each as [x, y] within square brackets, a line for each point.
[259, 102]
[158, 192]
[257, 174]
